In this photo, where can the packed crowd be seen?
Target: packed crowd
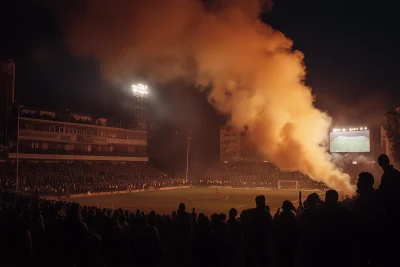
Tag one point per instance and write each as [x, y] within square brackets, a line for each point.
[63, 178]
[361, 232]
[266, 174]
[255, 174]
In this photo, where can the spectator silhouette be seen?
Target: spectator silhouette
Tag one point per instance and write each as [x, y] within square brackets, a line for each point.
[194, 215]
[285, 235]
[389, 189]
[20, 250]
[369, 218]
[92, 254]
[182, 235]
[234, 239]
[391, 176]
[336, 225]
[257, 223]
[205, 247]
[75, 234]
[148, 247]
[309, 232]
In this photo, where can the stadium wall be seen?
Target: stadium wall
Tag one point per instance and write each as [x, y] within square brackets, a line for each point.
[116, 192]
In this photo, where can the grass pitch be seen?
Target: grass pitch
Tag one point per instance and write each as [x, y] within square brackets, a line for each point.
[350, 144]
[204, 199]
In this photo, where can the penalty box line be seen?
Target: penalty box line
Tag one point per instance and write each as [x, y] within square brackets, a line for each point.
[236, 206]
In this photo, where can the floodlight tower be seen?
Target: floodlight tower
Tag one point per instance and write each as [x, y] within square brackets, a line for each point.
[140, 92]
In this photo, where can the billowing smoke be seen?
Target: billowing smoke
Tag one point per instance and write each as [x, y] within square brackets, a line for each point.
[255, 76]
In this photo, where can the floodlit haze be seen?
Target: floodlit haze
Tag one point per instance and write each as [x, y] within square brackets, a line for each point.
[256, 77]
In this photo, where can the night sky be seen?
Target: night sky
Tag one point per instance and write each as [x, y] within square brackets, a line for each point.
[351, 52]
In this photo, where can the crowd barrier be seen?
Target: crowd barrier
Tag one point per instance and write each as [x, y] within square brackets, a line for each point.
[174, 187]
[267, 188]
[231, 187]
[150, 189]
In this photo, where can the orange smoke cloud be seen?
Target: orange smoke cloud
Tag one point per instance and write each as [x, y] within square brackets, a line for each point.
[256, 77]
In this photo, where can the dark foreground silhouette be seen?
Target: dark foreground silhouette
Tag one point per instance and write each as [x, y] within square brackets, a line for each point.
[362, 231]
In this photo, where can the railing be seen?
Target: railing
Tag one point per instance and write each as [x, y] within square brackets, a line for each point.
[27, 156]
[72, 119]
[52, 136]
[85, 139]
[48, 136]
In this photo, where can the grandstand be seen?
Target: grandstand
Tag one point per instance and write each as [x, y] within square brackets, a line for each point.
[63, 135]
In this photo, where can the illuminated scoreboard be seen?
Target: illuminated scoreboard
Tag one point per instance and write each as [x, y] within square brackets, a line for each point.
[350, 140]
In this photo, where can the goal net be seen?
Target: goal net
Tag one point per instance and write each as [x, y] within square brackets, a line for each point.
[288, 184]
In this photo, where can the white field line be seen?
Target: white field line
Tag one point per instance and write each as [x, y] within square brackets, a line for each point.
[194, 198]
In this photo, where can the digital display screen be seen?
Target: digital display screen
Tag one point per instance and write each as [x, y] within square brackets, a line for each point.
[349, 141]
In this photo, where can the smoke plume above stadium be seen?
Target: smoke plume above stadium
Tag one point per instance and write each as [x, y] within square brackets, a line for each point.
[256, 77]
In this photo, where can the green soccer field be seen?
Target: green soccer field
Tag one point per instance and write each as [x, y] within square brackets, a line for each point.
[350, 144]
[204, 199]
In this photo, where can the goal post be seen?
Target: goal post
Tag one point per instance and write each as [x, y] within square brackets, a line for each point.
[288, 184]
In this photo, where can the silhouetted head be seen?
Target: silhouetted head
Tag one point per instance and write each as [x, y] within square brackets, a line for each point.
[260, 201]
[232, 213]
[203, 220]
[331, 197]
[365, 182]
[223, 216]
[201, 216]
[182, 207]
[383, 161]
[312, 200]
[288, 206]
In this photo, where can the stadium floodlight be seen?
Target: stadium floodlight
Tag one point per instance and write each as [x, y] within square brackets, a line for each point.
[140, 89]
